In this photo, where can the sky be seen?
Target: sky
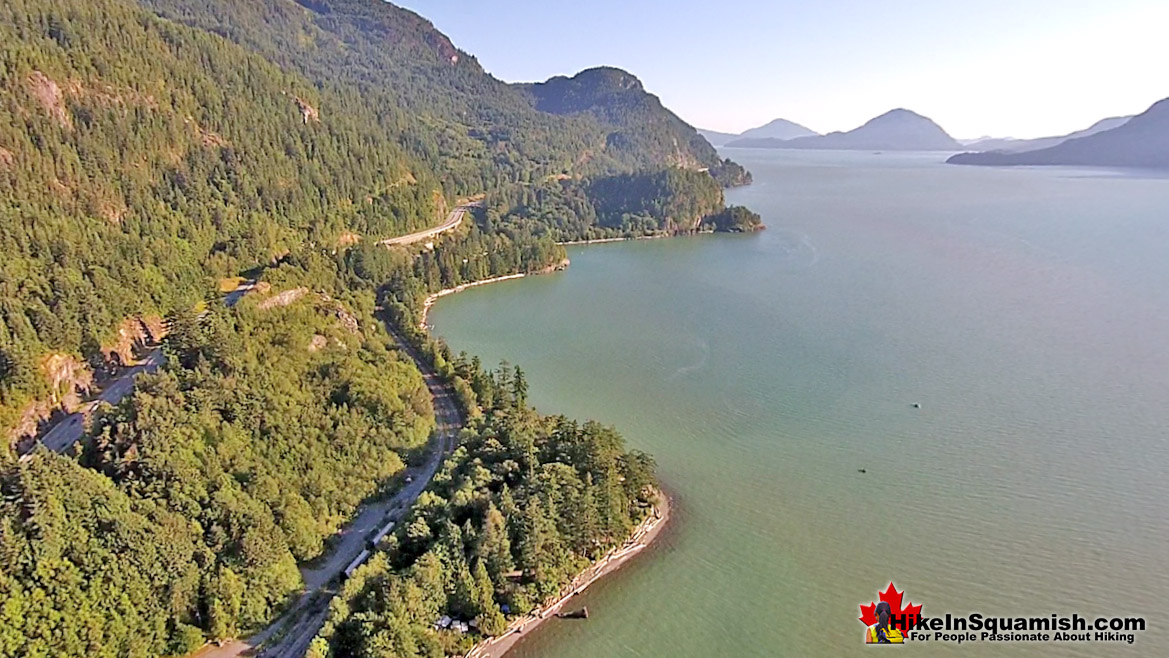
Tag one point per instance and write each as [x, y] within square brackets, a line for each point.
[1004, 68]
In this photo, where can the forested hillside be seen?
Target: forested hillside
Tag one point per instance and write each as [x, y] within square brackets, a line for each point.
[192, 502]
[522, 506]
[155, 153]
[143, 160]
[149, 149]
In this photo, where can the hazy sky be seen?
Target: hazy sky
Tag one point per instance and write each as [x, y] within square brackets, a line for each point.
[1022, 68]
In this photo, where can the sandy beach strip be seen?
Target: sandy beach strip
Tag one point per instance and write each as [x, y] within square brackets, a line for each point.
[431, 299]
[517, 630]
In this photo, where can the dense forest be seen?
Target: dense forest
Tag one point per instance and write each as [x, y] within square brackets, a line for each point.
[191, 503]
[154, 153]
[144, 158]
[522, 506]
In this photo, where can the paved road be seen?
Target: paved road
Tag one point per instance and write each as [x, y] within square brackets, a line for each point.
[452, 220]
[296, 628]
[67, 430]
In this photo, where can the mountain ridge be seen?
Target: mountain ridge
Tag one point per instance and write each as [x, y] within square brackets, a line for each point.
[1016, 145]
[895, 130]
[776, 128]
[1142, 141]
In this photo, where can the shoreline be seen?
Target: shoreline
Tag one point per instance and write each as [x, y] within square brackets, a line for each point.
[642, 536]
[572, 243]
[646, 532]
[434, 297]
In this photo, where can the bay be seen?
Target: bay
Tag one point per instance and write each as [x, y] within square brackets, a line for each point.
[1026, 312]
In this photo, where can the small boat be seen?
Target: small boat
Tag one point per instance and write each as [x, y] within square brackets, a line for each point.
[583, 613]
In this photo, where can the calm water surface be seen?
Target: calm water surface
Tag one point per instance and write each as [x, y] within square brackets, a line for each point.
[1026, 311]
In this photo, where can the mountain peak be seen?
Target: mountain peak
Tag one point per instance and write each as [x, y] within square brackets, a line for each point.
[900, 114]
[896, 130]
[600, 78]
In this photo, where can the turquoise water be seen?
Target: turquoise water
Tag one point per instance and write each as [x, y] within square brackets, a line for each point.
[1026, 311]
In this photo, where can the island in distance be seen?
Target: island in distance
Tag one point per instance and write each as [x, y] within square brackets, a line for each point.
[776, 129]
[896, 130]
[1142, 141]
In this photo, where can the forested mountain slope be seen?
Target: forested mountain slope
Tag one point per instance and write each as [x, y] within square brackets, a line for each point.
[142, 159]
[151, 151]
[147, 150]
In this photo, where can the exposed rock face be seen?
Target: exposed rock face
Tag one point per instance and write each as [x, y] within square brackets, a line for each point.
[50, 97]
[26, 428]
[134, 334]
[6, 159]
[309, 112]
[283, 299]
[346, 320]
[68, 378]
[317, 343]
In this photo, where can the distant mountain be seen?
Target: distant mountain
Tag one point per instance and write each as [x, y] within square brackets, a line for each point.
[1142, 141]
[1017, 145]
[715, 137]
[896, 130]
[779, 129]
[776, 129]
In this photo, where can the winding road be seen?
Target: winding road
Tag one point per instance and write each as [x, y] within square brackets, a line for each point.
[290, 635]
[452, 220]
[66, 431]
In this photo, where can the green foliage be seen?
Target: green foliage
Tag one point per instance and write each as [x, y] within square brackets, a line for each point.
[258, 440]
[735, 219]
[150, 148]
[141, 158]
[670, 200]
[639, 129]
[520, 508]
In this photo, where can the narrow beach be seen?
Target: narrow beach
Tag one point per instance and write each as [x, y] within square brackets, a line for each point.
[645, 533]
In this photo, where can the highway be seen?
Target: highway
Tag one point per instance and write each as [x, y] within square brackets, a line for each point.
[452, 220]
[67, 430]
[290, 635]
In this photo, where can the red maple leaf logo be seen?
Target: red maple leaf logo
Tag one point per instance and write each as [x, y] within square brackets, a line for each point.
[893, 598]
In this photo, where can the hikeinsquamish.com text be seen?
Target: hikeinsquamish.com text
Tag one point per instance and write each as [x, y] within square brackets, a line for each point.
[977, 627]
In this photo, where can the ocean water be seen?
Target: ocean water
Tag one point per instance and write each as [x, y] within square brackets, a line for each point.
[1025, 310]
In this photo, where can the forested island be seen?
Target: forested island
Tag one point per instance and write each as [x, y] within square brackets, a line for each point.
[155, 153]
